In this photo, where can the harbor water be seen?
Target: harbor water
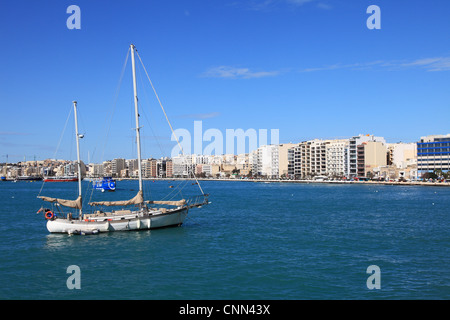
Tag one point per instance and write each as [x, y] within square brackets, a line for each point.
[254, 241]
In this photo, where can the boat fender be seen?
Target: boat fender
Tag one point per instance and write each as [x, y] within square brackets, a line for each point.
[49, 215]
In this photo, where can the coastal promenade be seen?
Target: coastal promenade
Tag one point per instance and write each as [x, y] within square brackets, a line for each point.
[396, 183]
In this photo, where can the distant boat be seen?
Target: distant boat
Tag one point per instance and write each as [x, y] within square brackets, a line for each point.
[61, 179]
[28, 178]
[105, 184]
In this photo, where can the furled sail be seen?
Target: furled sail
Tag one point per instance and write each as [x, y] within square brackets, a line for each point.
[67, 203]
[170, 203]
[138, 199]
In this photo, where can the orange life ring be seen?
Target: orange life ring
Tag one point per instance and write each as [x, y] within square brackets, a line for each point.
[49, 215]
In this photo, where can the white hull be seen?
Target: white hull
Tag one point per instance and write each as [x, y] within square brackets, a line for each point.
[125, 223]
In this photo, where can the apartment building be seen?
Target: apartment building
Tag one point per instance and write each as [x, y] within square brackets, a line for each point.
[117, 165]
[310, 159]
[169, 169]
[318, 157]
[182, 166]
[267, 161]
[96, 170]
[354, 142]
[401, 155]
[370, 155]
[337, 155]
[286, 160]
[433, 153]
[243, 164]
[302, 160]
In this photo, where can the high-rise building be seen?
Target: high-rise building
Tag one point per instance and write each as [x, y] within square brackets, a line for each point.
[267, 161]
[370, 155]
[337, 155]
[354, 142]
[433, 153]
[117, 165]
[286, 160]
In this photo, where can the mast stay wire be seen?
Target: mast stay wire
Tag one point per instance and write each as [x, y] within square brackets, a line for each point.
[170, 125]
[114, 108]
[59, 143]
[181, 184]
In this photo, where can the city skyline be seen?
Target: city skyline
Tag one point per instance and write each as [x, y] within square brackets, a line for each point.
[311, 69]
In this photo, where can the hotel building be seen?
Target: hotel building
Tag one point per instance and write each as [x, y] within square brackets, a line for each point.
[433, 153]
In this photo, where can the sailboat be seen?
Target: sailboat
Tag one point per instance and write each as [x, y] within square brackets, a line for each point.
[145, 215]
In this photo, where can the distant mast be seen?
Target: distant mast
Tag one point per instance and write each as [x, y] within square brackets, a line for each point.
[136, 111]
[78, 149]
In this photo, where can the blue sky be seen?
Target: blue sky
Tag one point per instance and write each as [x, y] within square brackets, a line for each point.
[311, 69]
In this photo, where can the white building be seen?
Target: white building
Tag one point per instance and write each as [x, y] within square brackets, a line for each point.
[183, 166]
[336, 157]
[267, 161]
[402, 154]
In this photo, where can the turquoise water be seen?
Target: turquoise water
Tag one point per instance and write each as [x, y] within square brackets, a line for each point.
[254, 241]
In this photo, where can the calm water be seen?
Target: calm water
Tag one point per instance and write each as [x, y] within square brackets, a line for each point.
[255, 241]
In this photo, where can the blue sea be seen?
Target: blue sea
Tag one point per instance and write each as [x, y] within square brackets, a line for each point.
[262, 241]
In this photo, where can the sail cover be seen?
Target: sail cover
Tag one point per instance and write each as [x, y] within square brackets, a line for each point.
[67, 203]
[170, 203]
[138, 199]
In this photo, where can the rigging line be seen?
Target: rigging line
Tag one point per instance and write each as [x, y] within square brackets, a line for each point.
[171, 128]
[175, 190]
[62, 133]
[114, 108]
[115, 103]
[59, 143]
[147, 118]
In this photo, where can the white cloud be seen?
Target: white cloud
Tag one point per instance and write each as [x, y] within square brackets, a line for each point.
[268, 5]
[237, 73]
[324, 6]
[299, 2]
[429, 64]
[201, 115]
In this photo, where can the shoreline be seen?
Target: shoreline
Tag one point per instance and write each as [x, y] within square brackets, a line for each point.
[397, 183]
[390, 183]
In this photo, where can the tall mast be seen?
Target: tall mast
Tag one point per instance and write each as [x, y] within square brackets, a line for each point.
[78, 149]
[136, 111]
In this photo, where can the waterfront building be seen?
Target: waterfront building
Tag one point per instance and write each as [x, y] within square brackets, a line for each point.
[291, 163]
[133, 167]
[150, 168]
[318, 161]
[243, 164]
[354, 142]
[96, 170]
[182, 166]
[298, 161]
[336, 157]
[253, 162]
[302, 157]
[370, 155]
[117, 165]
[401, 154]
[107, 168]
[433, 153]
[169, 169]
[310, 159]
[267, 161]
[286, 161]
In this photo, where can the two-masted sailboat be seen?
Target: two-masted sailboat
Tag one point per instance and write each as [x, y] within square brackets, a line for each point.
[144, 214]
